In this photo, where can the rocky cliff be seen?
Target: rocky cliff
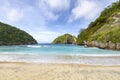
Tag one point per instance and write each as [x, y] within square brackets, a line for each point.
[104, 32]
[107, 45]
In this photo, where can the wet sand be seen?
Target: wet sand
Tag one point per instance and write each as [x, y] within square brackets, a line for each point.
[35, 71]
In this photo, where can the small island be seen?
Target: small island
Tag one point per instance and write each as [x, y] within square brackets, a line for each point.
[65, 39]
[10, 35]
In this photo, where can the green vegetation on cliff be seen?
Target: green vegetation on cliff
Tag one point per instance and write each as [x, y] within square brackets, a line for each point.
[105, 28]
[65, 39]
[13, 36]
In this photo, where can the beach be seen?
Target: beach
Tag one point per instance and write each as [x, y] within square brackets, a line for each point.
[49, 71]
[58, 62]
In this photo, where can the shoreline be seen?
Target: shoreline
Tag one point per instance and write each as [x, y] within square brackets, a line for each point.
[66, 59]
[45, 71]
[108, 45]
[38, 63]
[63, 59]
[50, 63]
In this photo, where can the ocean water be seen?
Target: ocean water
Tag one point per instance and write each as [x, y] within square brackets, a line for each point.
[59, 53]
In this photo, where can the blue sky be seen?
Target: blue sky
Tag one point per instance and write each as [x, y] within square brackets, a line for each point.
[47, 19]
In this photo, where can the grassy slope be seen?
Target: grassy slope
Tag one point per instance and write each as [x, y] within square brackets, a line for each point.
[103, 28]
[63, 38]
[10, 35]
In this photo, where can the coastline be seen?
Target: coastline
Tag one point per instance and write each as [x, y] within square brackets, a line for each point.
[63, 59]
[108, 45]
[45, 71]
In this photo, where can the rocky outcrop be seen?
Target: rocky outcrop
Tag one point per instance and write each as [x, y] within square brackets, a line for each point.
[69, 40]
[65, 39]
[108, 45]
[118, 46]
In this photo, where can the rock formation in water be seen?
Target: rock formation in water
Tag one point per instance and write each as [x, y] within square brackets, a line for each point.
[65, 39]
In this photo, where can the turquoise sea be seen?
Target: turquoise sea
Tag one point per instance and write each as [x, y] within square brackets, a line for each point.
[59, 53]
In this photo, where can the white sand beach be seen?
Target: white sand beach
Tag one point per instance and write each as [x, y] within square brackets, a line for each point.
[35, 71]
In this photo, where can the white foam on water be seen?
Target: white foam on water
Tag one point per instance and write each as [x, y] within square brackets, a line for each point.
[60, 59]
[33, 46]
[96, 55]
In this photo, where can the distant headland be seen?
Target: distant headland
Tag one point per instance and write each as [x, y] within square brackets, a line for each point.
[10, 35]
[65, 39]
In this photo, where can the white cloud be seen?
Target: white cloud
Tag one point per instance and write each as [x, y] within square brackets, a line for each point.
[58, 5]
[14, 15]
[87, 9]
[9, 13]
[45, 36]
[50, 15]
[49, 8]
[45, 11]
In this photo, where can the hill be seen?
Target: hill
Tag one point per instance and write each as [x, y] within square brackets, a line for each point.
[65, 39]
[104, 32]
[10, 35]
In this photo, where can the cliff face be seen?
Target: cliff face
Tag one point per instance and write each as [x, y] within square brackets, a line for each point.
[107, 45]
[13, 36]
[104, 32]
[65, 39]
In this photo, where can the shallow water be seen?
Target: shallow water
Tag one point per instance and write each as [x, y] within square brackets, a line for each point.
[59, 53]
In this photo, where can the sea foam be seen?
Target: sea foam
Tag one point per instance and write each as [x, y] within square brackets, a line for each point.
[33, 46]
